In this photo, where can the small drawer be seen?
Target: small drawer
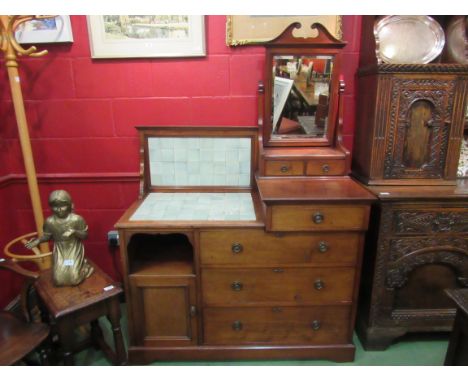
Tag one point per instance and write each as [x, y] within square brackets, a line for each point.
[256, 247]
[277, 285]
[277, 325]
[326, 167]
[310, 217]
[283, 168]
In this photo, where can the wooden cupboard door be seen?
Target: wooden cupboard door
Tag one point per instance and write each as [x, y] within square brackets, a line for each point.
[419, 130]
[164, 310]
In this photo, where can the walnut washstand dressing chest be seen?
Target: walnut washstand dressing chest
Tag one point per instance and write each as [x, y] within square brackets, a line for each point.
[224, 259]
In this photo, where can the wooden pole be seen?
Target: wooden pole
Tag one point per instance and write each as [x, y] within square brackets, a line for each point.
[23, 131]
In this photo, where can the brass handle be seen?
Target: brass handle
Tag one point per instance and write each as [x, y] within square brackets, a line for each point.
[237, 248]
[237, 286]
[323, 246]
[193, 310]
[284, 168]
[325, 168]
[237, 325]
[318, 218]
[316, 325]
[319, 284]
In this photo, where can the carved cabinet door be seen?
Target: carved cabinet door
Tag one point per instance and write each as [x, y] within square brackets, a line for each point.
[419, 128]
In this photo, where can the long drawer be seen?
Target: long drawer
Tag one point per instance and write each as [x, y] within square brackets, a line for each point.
[256, 247]
[316, 217]
[276, 325]
[277, 285]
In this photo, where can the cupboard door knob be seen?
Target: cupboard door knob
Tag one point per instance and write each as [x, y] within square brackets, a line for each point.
[193, 310]
[284, 168]
[323, 246]
[237, 248]
[316, 325]
[319, 284]
[325, 168]
[237, 325]
[237, 286]
[318, 218]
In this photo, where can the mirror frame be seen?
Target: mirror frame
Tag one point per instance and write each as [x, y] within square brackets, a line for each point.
[287, 44]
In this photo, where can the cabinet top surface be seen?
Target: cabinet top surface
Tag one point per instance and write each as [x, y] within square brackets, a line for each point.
[323, 189]
[459, 191]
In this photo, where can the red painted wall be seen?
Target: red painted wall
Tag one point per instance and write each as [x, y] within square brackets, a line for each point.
[82, 113]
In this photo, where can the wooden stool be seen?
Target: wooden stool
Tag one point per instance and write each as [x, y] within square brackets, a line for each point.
[457, 352]
[69, 307]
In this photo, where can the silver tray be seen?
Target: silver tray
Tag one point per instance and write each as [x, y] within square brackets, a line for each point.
[408, 39]
[457, 40]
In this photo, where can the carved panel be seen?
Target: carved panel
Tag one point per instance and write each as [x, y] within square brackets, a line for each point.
[403, 246]
[417, 222]
[407, 97]
[438, 241]
[398, 272]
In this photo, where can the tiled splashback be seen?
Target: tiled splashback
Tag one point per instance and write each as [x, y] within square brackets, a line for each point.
[208, 161]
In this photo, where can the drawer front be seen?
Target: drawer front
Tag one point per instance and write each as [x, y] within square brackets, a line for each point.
[326, 167]
[255, 247]
[277, 325]
[428, 221]
[273, 167]
[277, 285]
[318, 217]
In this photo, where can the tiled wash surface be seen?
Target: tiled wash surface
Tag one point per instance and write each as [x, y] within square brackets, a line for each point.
[208, 161]
[232, 206]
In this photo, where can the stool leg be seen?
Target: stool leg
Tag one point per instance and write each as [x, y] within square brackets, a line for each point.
[114, 318]
[66, 336]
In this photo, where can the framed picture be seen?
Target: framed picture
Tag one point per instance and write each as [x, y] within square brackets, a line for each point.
[42, 31]
[256, 29]
[281, 91]
[122, 36]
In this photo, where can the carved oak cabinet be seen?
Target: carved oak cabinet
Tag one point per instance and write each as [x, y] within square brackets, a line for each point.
[417, 246]
[407, 146]
[410, 123]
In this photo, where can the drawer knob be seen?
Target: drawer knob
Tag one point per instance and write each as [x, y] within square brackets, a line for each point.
[237, 286]
[316, 325]
[284, 168]
[319, 284]
[278, 270]
[237, 325]
[237, 248]
[318, 218]
[325, 168]
[323, 246]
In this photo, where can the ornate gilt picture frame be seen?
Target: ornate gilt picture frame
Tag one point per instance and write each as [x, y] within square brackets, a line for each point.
[256, 29]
